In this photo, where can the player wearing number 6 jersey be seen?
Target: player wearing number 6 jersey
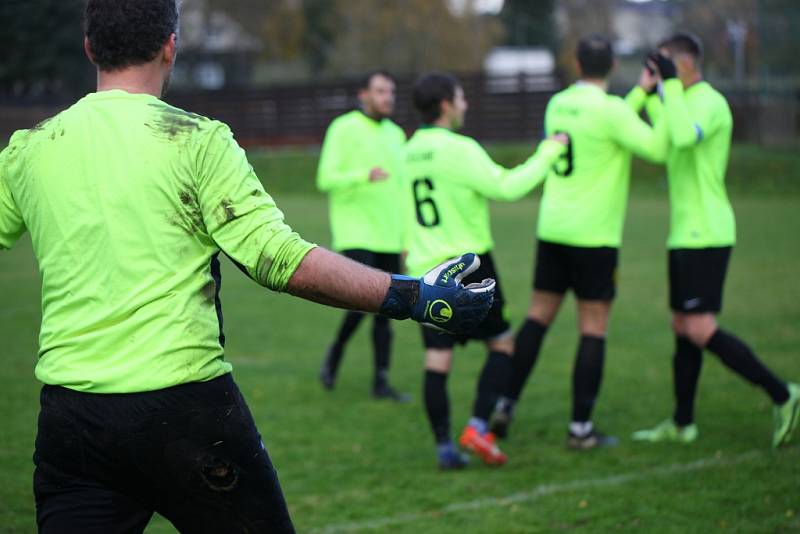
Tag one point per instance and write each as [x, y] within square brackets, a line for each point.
[580, 231]
[452, 180]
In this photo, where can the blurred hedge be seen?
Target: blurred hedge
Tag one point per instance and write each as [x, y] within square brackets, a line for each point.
[752, 169]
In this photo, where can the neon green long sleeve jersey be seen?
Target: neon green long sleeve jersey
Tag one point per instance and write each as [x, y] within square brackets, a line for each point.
[585, 196]
[128, 201]
[451, 180]
[700, 129]
[363, 214]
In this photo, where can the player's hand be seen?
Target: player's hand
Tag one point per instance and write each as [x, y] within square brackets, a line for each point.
[439, 300]
[560, 137]
[662, 65]
[648, 80]
[377, 174]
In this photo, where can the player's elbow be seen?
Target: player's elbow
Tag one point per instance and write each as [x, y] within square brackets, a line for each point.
[687, 137]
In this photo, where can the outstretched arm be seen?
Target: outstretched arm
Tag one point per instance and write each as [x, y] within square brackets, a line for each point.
[245, 223]
[328, 278]
[478, 171]
[438, 299]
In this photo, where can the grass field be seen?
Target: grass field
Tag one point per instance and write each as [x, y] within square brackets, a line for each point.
[351, 464]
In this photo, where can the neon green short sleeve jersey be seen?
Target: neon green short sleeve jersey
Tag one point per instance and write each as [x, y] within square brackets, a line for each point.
[451, 180]
[128, 201]
[585, 196]
[363, 214]
[700, 128]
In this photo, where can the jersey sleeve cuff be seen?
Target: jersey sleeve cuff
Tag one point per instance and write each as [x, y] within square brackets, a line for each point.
[275, 270]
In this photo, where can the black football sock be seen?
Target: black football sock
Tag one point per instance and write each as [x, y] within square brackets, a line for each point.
[437, 405]
[686, 364]
[346, 330]
[738, 357]
[491, 383]
[527, 345]
[381, 342]
[586, 377]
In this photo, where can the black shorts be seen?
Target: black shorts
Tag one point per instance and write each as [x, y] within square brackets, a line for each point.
[493, 326]
[696, 279]
[192, 453]
[385, 261]
[591, 272]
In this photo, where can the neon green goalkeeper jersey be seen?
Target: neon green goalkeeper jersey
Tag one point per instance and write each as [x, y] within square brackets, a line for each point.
[586, 195]
[364, 214]
[700, 128]
[451, 180]
[128, 202]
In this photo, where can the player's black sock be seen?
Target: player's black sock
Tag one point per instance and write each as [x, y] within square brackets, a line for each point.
[686, 364]
[346, 330]
[738, 356]
[526, 351]
[381, 341]
[491, 383]
[586, 376]
[437, 404]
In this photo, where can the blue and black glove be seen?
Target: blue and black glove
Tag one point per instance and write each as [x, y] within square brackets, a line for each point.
[438, 299]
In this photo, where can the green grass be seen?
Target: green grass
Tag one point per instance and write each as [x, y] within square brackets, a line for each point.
[345, 459]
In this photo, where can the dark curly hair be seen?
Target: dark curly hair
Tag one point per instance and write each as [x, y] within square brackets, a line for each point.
[122, 33]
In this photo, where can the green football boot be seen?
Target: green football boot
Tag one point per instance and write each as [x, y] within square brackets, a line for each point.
[668, 431]
[786, 417]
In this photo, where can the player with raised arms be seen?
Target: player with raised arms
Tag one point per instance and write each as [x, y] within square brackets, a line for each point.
[701, 237]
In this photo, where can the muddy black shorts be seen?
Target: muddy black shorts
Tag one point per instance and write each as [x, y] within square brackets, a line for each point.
[192, 453]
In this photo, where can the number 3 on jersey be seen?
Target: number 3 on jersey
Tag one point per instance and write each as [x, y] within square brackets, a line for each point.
[427, 212]
[564, 165]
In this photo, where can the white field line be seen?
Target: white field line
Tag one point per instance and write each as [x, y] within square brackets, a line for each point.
[543, 491]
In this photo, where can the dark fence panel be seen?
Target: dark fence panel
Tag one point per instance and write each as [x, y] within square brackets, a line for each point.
[501, 109]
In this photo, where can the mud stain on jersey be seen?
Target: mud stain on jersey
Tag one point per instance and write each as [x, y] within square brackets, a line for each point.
[227, 211]
[173, 123]
[188, 217]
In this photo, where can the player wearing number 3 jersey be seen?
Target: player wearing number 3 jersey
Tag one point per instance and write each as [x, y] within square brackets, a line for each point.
[452, 180]
[580, 230]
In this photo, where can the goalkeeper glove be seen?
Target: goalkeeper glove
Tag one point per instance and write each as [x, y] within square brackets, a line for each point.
[665, 66]
[438, 299]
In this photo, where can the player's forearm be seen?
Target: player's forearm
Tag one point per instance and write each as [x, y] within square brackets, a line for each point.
[331, 279]
[636, 98]
[649, 143]
[520, 180]
[334, 179]
[683, 131]
[654, 108]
